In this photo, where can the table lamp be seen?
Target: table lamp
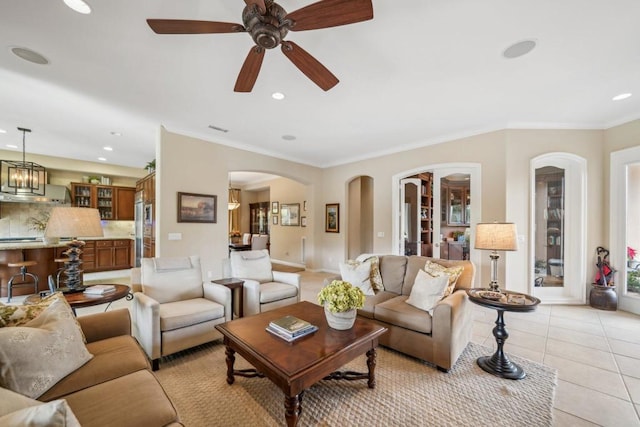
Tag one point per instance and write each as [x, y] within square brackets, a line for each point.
[496, 236]
[72, 223]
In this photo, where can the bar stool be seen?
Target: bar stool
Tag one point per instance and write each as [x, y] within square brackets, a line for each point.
[23, 274]
[59, 272]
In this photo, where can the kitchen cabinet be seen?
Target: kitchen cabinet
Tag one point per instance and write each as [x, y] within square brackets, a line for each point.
[113, 203]
[147, 186]
[426, 213]
[113, 254]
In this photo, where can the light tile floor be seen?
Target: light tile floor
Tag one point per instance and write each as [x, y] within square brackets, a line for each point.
[596, 352]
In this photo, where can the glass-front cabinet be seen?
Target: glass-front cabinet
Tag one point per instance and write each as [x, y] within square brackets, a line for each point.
[259, 217]
[549, 226]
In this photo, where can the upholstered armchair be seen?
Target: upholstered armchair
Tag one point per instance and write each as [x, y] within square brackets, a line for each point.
[173, 309]
[264, 289]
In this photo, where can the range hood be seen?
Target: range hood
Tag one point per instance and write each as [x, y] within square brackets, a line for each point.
[53, 195]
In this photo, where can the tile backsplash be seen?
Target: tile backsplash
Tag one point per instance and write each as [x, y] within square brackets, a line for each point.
[15, 221]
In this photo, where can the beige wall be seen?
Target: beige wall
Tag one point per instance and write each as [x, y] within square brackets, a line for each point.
[504, 157]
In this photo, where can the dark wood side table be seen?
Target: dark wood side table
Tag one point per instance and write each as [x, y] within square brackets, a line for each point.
[80, 299]
[233, 284]
[499, 364]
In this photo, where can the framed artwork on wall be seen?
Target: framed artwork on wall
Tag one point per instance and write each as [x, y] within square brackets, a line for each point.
[274, 207]
[274, 220]
[332, 218]
[303, 221]
[304, 206]
[290, 214]
[197, 207]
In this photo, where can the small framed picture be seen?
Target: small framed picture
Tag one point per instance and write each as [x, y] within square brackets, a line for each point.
[290, 214]
[304, 206]
[274, 219]
[332, 218]
[274, 207]
[303, 221]
[197, 207]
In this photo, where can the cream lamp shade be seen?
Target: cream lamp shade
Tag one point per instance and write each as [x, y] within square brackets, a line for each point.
[496, 236]
[74, 222]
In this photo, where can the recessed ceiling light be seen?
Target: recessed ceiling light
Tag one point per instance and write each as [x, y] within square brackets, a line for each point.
[102, 159]
[288, 137]
[108, 148]
[29, 55]
[279, 96]
[116, 133]
[621, 96]
[519, 49]
[3, 131]
[12, 146]
[79, 6]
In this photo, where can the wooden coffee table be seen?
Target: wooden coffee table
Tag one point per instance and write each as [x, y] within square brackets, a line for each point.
[296, 366]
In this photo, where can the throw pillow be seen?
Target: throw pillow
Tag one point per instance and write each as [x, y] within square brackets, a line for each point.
[357, 273]
[54, 413]
[427, 291]
[437, 270]
[375, 276]
[37, 355]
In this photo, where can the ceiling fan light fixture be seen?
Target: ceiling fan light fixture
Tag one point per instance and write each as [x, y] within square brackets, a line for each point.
[519, 49]
[79, 6]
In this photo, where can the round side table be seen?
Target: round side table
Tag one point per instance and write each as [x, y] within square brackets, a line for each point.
[499, 364]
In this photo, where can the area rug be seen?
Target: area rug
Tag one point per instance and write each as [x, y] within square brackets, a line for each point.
[408, 392]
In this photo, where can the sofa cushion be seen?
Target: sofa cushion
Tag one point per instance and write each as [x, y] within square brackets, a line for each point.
[179, 314]
[55, 413]
[375, 277]
[254, 265]
[276, 291]
[358, 274]
[165, 281]
[397, 312]
[132, 400]
[35, 356]
[392, 269]
[427, 291]
[370, 303]
[112, 358]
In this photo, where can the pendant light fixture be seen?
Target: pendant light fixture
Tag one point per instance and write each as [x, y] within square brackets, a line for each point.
[22, 177]
[234, 198]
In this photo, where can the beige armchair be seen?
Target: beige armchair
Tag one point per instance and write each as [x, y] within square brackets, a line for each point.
[263, 288]
[173, 309]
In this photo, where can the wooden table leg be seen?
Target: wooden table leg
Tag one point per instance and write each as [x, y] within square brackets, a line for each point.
[230, 361]
[292, 409]
[371, 364]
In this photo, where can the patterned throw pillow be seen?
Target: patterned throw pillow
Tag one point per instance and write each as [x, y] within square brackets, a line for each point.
[437, 270]
[37, 355]
[374, 276]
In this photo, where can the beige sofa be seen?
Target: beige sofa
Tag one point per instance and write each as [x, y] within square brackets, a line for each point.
[439, 338]
[115, 388]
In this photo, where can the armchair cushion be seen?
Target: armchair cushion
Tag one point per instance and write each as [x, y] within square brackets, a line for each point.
[273, 291]
[180, 314]
[171, 279]
[254, 265]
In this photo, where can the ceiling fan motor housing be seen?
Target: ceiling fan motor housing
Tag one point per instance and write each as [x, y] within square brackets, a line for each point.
[267, 30]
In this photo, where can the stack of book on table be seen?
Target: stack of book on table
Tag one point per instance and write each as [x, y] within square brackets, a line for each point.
[290, 328]
[99, 289]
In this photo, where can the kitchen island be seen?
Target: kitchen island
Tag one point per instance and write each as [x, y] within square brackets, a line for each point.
[101, 254]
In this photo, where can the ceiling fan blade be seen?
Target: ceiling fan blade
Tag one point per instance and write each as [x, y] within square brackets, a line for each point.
[250, 69]
[330, 13]
[185, 26]
[259, 3]
[310, 66]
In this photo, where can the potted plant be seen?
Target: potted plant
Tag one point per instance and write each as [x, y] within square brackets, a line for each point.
[151, 166]
[341, 300]
[631, 255]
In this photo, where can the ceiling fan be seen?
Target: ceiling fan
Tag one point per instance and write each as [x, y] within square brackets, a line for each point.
[268, 23]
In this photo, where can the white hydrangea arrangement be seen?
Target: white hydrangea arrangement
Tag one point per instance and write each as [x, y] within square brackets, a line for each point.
[341, 296]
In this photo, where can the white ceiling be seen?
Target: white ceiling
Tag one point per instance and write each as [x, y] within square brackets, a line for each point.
[420, 72]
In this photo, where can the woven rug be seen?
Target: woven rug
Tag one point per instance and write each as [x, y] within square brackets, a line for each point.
[408, 392]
